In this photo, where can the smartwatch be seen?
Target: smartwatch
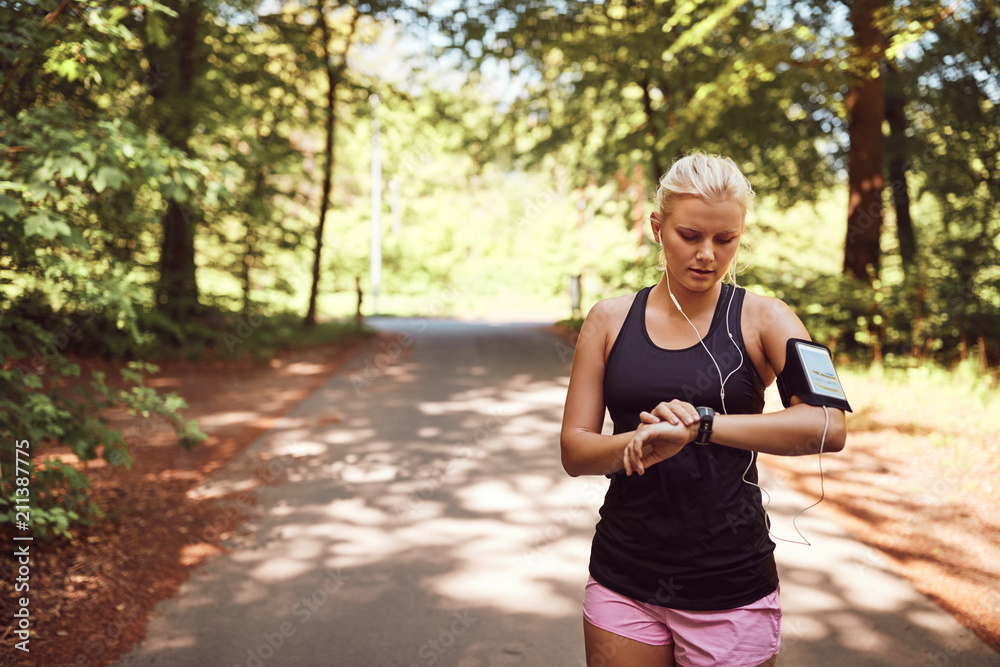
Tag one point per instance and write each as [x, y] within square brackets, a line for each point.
[705, 426]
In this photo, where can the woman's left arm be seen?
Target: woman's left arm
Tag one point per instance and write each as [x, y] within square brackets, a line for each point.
[797, 430]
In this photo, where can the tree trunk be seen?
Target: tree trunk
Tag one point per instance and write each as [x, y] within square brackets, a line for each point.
[331, 97]
[866, 111]
[248, 254]
[177, 291]
[895, 114]
[334, 74]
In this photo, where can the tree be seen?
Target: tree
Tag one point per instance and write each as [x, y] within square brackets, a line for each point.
[956, 149]
[865, 106]
[612, 84]
[334, 66]
[67, 153]
[897, 149]
[175, 60]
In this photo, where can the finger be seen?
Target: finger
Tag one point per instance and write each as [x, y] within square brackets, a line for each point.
[693, 413]
[640, 462]
[634, 454]
[648, 418]
[664, 412]
[689, 413]
[662, 409]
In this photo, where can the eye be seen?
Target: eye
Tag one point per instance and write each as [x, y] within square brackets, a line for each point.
[689, 237]
[726, 241]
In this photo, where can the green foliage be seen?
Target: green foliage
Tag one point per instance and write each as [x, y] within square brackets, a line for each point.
[78, 181]
[616, 90]
[611, 85]
[955, 88]
[39, 406]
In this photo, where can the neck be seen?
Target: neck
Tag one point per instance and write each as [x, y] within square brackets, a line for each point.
[693, 302]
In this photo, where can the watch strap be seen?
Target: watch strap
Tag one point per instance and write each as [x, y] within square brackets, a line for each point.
[707, 416]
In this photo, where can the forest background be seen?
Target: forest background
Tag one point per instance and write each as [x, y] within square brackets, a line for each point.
[179, 175]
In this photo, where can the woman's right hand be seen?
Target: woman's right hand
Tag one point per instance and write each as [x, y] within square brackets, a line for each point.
[674, 412]
[661, 435]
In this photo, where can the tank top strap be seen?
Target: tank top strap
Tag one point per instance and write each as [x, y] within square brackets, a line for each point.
[734, 311]
[718, 317]
[728, 317]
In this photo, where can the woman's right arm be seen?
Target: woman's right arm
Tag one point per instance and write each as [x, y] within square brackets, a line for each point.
[584, 450]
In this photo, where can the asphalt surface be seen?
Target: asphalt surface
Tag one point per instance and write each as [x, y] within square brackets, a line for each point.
[413, 511]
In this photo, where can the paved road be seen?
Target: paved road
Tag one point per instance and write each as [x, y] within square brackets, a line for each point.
[413, 512]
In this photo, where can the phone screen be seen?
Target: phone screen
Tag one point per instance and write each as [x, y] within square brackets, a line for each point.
[818, 363]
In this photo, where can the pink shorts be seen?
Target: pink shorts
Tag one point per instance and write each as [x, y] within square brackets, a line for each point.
[742, 637]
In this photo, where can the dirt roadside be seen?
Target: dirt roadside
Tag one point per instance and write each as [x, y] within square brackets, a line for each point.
[91, 598]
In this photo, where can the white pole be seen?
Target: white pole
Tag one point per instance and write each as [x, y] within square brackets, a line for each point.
[376, 268]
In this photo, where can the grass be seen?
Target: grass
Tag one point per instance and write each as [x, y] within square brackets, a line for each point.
[948, 419]
[225, 336]
[260, 338]
[960, 399]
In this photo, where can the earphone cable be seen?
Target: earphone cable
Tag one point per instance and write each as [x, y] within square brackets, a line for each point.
[753, 454]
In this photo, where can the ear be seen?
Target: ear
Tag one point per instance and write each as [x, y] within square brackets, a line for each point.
[656, 226]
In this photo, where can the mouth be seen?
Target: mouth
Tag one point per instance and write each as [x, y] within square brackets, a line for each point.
[702, 273]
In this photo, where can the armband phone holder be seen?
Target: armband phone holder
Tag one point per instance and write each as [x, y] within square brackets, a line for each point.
[810, 375]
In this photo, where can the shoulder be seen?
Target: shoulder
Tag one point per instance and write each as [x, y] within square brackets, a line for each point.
[769, 314]
[769, 323]
[605, 320]
[612, 308]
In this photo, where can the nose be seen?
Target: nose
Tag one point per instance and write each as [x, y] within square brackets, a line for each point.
[705, 252]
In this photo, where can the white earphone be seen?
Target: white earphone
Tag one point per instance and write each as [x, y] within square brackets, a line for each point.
[722, 397]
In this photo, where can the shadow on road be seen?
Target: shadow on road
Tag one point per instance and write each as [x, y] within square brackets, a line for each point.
[414, 512]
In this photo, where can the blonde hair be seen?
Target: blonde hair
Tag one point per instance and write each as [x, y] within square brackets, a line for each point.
[713, 179]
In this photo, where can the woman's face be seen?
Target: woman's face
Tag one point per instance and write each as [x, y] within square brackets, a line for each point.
[699, 241]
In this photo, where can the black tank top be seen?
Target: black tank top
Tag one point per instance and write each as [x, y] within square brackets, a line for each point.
[689, 533]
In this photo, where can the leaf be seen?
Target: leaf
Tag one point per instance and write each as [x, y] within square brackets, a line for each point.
[155, 30]
[9, 206]
[69, 69]
[38, 191]
[70, 166]
[131, 376]
[43, 224]
[109, 177]
[86, 151]
[17, 187]
[117, 14]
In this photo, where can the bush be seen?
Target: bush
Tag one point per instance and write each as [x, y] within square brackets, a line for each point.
[36, 407]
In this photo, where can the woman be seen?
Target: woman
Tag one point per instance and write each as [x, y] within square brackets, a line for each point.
[682, 566]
